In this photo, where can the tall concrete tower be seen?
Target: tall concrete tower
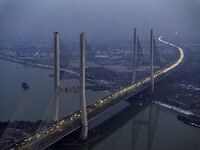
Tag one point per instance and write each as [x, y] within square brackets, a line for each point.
[57, 74]
[84, 118]
[151, 59]
[135, 51]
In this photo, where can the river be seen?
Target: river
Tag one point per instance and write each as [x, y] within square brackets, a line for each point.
[37, 102]
[139, 125]
[142, 126]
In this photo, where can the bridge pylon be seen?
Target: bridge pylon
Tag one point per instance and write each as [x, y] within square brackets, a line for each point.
[151, 60]
[57, 74]
[58, 88]
[135, 51]
[84, 118]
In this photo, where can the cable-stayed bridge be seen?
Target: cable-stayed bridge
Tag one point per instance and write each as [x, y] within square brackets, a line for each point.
[60, 128]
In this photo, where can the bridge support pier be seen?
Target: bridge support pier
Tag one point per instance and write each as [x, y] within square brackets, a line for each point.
[84, 118]
[57, 75]
[135, 55]
[151, 60]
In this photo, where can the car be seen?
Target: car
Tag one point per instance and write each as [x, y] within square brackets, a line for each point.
[37, 135]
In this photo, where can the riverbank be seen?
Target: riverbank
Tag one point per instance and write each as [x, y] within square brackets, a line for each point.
[180, 91]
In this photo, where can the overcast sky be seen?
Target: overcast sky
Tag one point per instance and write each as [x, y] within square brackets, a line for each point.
[110, 19]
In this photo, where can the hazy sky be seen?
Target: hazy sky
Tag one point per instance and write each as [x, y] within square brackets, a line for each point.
[110, 19]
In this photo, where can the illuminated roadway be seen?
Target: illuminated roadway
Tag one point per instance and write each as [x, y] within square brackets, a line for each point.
[57, 130]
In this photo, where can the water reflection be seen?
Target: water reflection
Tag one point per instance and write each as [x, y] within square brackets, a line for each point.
[125, 130]
[146, 121]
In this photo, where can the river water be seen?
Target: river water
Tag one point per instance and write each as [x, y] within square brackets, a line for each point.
[138, 126]
[37, 102]
[142, 126]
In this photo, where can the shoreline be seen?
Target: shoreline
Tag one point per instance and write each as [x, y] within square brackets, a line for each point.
[176, 109]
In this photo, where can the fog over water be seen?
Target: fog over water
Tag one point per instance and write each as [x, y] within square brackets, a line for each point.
[111, 19]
